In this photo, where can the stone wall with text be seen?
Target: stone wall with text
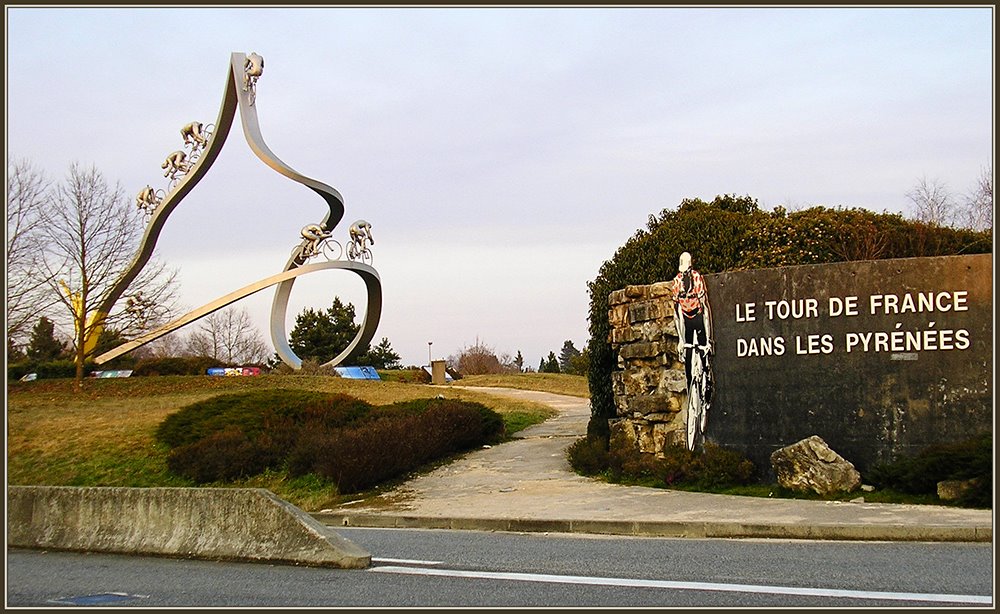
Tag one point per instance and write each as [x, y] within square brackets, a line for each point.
[880, 358]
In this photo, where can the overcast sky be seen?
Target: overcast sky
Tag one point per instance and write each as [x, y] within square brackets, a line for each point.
[500, 154]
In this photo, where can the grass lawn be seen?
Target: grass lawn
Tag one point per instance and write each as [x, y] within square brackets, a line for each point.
[103, 435]
[556, 383]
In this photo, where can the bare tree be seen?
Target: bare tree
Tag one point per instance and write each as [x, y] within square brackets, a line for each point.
[29, 296]
[478, 359]
[861, 239]
[93, 233]
[978, 211]
[168, 346]
[229, 335]
[933, 202]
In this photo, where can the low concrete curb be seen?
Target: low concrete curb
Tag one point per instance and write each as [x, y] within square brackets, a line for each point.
[847, 532]
[249, 524]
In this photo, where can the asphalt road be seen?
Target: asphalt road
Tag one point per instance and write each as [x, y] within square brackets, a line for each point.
[444, 568]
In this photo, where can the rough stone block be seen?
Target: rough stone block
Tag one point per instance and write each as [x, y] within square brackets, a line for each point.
[649, 404]
[639, 382]
[661, 289]
[635, 292]
[640, 350]
[672, 381]
[659, 417]
[810, 464]
[951, 490]
[644, 436]
[668, 434]
[623, 335]
[657, 330]
[643, 310]
[623, 431]
[618, 316]
[618, 383]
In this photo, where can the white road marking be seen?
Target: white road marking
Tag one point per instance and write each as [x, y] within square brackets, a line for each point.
[697, 586]
[405, 561]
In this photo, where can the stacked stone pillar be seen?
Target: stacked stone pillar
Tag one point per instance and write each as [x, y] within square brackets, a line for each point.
[648, 381]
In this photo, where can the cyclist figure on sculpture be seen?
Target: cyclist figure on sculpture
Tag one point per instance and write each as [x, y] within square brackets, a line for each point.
[693, 320]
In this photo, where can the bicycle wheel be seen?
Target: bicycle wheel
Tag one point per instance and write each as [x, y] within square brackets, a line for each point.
[695, 399]
[331, 250]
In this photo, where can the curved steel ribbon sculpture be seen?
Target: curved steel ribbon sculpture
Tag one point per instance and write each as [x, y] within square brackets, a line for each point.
[186, 168]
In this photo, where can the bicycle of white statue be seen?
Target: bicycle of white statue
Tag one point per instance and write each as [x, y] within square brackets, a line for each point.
[699, 394]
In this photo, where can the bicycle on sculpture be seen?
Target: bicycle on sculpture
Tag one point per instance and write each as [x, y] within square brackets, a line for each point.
[357, 250]
[317, 241]
[356, 253]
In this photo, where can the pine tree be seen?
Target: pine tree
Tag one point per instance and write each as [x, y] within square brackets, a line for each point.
[322, 335]
[43, 345]
[566, 356]
[550, 365]
[381, 356]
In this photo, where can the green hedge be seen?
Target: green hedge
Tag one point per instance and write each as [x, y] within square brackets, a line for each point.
[175, 365]
[965, 460]
[45, 370]
[258, 412]
[335, 436]
[713, 467]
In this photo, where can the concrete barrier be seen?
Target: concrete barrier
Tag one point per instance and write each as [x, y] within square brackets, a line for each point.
[249, 524]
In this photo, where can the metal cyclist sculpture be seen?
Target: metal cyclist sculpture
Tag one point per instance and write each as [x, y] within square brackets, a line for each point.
[317, 250]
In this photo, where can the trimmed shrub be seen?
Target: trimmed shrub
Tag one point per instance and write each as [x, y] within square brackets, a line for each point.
[16, 371]
[410, 375]
[971, 459]
[52, 369]
[626, 462]
[176, 365]
[308, 366]
[225, 455]
[334, 436]
[710, 468]
[258, 411]
[392, 441]
[588, 455]
[720, 467]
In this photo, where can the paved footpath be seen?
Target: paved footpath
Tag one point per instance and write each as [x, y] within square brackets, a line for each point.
[528, 485]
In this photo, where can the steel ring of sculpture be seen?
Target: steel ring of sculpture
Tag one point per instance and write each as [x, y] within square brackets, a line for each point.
[185, 168]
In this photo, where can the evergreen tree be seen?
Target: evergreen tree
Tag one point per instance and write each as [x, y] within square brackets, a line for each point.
[381, 356]
[43, 345]
[14, 353]
[579, 364]
[550, 365]
[321, 335]
[519, 362]
[566, 356]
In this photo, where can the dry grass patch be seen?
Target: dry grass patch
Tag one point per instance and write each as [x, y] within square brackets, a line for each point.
[104, 434]
[556, 383]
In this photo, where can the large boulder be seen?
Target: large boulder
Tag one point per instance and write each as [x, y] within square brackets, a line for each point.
[810, 464]
[953, 490]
